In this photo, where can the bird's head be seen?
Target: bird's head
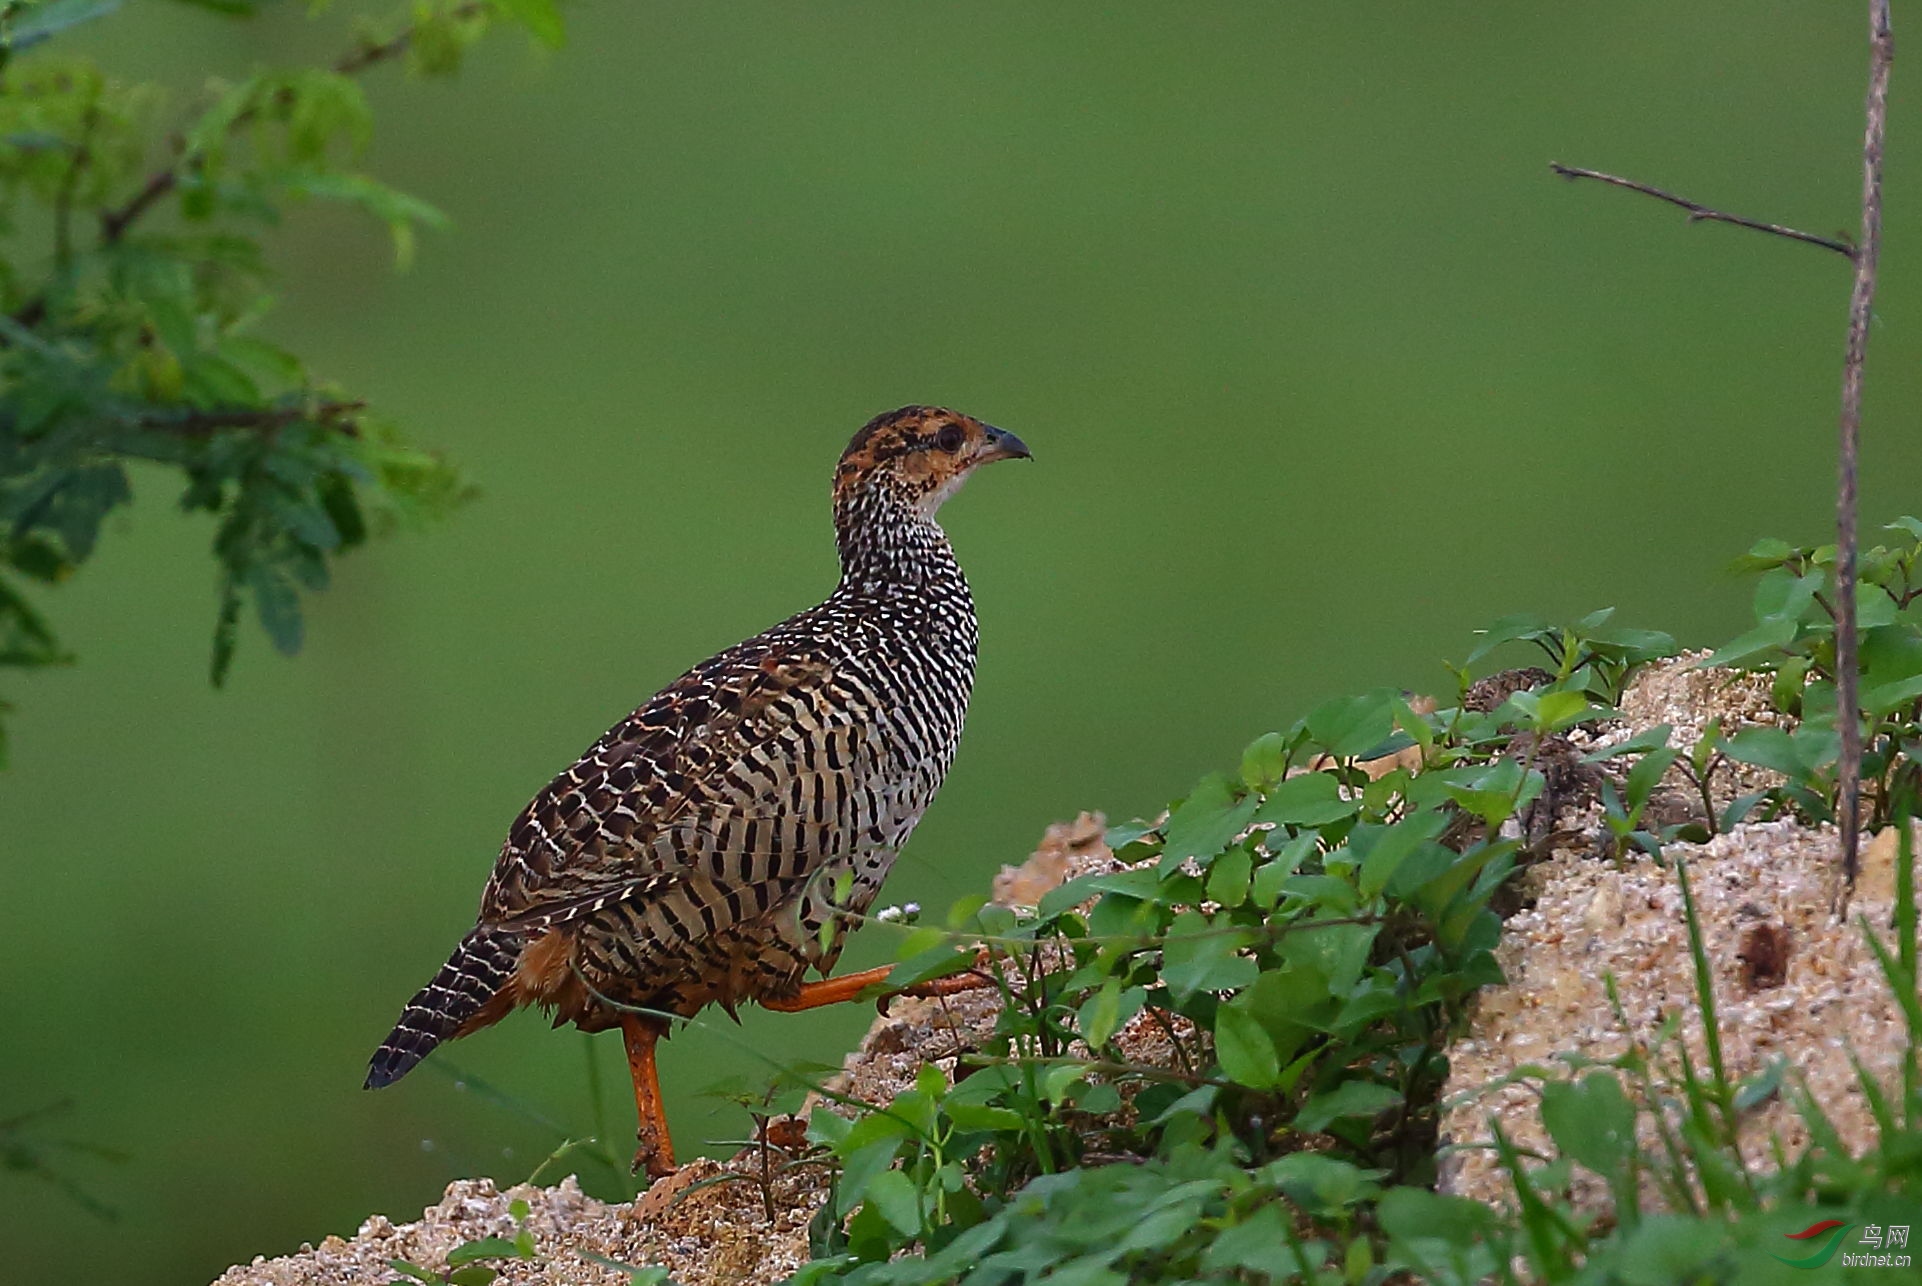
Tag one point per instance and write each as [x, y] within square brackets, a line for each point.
[919, 456]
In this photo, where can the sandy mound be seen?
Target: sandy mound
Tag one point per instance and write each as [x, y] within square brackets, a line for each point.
[1791, 983]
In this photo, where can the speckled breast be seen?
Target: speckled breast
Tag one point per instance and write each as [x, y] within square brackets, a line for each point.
[775, 867]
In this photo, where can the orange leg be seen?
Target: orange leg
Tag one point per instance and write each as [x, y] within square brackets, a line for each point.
[849, 986]
[656, 1151]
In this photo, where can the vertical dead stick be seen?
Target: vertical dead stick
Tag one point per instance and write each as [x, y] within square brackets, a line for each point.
[1864, 255]
[1861, 305]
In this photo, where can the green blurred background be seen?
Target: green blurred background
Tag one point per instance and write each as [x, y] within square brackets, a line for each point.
[1321, 367]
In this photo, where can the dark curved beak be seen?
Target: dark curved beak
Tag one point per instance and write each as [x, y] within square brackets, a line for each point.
[1002, 445]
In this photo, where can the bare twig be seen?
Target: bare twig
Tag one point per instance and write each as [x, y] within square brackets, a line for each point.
[1698, 213]
[1861, 304]
[69, 184]
[114, 223]
[195, 424]
[1861, 307]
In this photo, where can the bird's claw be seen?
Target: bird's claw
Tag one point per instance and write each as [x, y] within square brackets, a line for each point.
[656, 1161]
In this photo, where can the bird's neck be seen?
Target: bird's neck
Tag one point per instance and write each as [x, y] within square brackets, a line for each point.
[888, 544]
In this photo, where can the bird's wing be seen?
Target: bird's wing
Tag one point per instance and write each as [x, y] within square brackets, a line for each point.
[716, 775]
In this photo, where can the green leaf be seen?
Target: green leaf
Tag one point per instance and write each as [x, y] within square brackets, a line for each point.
[1740, 807]
[1140, 883]
[1764, 554]
[1199, 956]
[1421, 1222]
[1646, 775]
[1509, 629]
[278, 606]
[1336, 952]
[1591, 1121]
[1264, 761]
[1560, 709]
[1322, 1185]
[1349, 1099]
[1873, 607]
[1756, 1089]
[306, 522]
[1122, 834]
[542, 18]
[1383, 848]
[1770, 748]
[893, 1194]
[1770, 636]
[1420, 870]
[71, 504]
[1891, 696]
[482, 1248]
[1349, 726]
[343, 509]
[472, 1275]
[26, 641]
[1229, 877]
[1207, 821]
[1245, 1050]
[635, 1276]
[1647, 739]
[226, 627]
[1307, 799]
[1782, 593]
[982, 1116]
[1490, 803]
[400, 212]
[1420, 731]
[1634, 646]
[1265, 890]
[1909, 524]
[1253, 1245]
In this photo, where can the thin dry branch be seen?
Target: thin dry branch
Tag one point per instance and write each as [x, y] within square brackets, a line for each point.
[1699, 213]
[342, 417]
[1861, 305]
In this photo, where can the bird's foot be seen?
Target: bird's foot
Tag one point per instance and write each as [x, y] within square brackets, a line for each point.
[980, 976]
[653, 1157]
[862, 985]
[655, 1154]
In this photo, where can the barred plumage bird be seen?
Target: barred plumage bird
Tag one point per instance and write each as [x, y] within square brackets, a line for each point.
[712, 847]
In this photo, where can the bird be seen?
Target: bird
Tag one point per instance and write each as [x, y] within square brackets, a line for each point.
[716, 845]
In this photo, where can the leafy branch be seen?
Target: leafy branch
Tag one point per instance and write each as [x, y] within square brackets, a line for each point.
[115, 223]
[139, 347]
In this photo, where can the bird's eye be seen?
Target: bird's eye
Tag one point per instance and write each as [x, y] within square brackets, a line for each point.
[950, 438]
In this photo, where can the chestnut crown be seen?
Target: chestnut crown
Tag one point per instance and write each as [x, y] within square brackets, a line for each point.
[920, 455]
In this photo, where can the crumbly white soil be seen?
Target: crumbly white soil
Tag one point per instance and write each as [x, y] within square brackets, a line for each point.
[1764, 887]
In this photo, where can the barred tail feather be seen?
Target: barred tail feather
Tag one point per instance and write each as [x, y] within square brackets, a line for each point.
[471, 977]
